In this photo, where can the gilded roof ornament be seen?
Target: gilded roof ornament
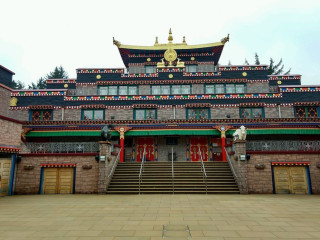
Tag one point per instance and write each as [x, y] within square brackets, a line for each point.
[156, 43]
[117, 43]
[184, 40]
[170, 38]
[226, 39]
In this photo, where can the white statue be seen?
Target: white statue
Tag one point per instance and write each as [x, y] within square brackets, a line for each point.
[240, 134]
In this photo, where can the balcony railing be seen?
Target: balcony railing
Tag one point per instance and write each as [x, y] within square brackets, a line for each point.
[283, 145]
[63, 147]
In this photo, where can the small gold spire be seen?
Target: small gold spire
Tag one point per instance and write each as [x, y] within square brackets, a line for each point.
[184, 40]
[170, 38]
[115, 42]
[226, 39]
[156, 43]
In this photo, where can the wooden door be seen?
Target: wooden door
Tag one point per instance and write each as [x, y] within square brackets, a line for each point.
[5, 168]
[146, 143]
[195, 144]
[290, 180]
[58, 180]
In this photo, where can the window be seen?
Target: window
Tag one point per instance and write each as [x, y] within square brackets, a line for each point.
[251, 113]
[144, 114]
[167, 90]
[191, 68]
[307, 112]
[150, 69]
[198, 113]
[224, 88]
[118, 90]
[171, 141]
[89, 114]
[40, 115]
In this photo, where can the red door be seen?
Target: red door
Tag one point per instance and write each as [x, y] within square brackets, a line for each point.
[145, 143]
[216, 149]
[197, 143]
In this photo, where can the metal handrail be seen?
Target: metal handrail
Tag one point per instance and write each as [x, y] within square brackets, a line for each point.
[115, 163]
[203, 171]
[231, 165]
[142, 167]
[172, 168]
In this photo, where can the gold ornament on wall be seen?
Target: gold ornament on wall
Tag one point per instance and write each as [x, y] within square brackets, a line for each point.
[244, 74]
[279, 82]
[148, 59]
[192, 58]
[98, 76]
[170, 55]
[13, 102]
[170, 75]
[66, 86]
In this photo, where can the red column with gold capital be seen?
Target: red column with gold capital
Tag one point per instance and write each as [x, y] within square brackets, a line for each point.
[223, 130]
[122, 130]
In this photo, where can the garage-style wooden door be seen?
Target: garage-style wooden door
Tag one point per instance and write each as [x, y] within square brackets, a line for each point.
[5, 167]
[58, 180]
[290, 180]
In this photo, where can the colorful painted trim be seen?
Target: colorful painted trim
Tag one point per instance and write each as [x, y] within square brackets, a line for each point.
[170, 69]
[299, 89]
[198, 105]
[40, 107]
[36, 93]
[242, 68]
[35, 107]
[9, 149]
[284, 77]
[57, 165]
[94, 106]
[134, 75]
[145, 106]
[256, 104]
[306, 104]
[157, 82]
[110, 70]
[170, 97]
[201, 74]
[49, 81]
[290, 163]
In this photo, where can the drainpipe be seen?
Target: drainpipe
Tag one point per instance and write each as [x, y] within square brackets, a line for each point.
[12, 172]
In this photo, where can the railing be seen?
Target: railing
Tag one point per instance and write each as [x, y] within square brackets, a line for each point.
[114, 165]
[231, 166]
[203, 169]
[63, 147]
[172, 171]
[142, 168]
[304, 146]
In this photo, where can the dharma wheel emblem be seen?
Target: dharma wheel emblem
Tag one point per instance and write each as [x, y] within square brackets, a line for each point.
[170, 55]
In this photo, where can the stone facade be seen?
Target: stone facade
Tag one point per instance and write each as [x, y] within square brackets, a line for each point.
[260, 180]
[271, 112]
[258, 87]
[28, 181]
[222, 113]
[287, 112]
[10, 132]
[178, 150]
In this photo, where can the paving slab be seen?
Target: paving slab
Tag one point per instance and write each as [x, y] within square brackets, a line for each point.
[121, 217]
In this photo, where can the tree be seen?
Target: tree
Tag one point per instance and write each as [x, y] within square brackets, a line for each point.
[277, 69]
[58, 72]
[17, 84]
[257, 61]
[229, 63]
[246, 62]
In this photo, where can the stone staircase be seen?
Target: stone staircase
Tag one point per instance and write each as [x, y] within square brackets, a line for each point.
[188, 178]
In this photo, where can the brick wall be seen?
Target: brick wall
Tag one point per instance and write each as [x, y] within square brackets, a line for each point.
[258, 87]
[5, 101]
[271, 112]
[119, 114]
[57, 114]
[28, 181]
[197, 89]
[86, 90]
[260, 180]
[21, 115]
[10, 132]
[72, 114]
[286, 112]
[144, 89]
[221, 113]
[180, 113]
[165, 113]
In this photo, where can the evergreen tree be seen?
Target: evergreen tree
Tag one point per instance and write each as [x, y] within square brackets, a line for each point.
[257, 61]
[277, 69]
[246, 62]
[58, 72]
[229, 63]
[17, 84]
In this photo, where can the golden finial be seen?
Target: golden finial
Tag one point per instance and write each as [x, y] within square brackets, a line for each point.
[115, 42]
[156, 43]
[170, 38]
[184, 40]
[226, 39]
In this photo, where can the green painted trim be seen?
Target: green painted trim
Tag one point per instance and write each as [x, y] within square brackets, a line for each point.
[173, 132]
[64, 134]
[279, 131]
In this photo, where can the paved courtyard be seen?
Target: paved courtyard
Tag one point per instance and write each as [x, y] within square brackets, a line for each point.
[133, 217]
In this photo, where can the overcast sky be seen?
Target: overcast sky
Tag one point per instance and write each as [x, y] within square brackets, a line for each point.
[36, 35]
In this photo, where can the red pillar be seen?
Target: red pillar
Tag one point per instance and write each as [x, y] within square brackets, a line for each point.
[122, 148]
[223, 145]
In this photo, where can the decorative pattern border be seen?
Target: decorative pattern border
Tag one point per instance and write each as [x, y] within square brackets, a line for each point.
[109, 70]
[201, 74]
[49, 81]
[36, 93]
[242, 68]
[299, 89]
[170, 69]
[290, 163]
[284, 77]
[171, 97]
[128, 75]
[57, 165]
[9, 150]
